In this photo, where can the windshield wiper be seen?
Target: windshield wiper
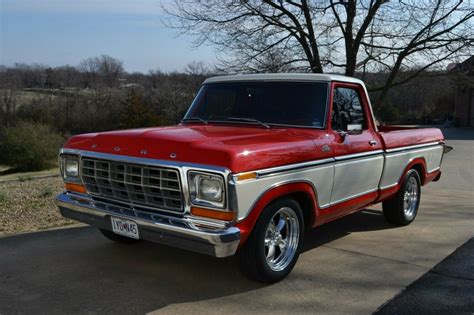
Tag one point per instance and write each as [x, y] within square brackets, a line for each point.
[194, 118]
[246, 119]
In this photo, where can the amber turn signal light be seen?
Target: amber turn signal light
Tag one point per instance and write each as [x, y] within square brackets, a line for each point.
[248, 175]
[213, 214]
[76, 188]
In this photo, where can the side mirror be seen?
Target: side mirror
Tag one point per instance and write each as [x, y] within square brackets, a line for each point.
[355, 129]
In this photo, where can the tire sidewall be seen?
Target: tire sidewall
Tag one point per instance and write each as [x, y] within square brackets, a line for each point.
[403, 217]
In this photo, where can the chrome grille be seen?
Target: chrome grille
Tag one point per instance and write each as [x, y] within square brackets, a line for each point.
[137, 185]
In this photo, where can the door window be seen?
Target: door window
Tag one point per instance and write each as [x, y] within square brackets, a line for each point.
[347, 109]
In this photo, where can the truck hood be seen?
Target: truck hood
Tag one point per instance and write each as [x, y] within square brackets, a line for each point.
[237, 147]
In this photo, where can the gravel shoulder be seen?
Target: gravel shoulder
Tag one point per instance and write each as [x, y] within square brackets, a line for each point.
[28, 205]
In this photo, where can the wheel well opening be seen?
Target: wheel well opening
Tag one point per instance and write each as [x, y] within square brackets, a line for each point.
[421, 171]
[306, 206]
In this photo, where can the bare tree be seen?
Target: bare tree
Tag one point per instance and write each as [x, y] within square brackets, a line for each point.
[156, 77]
[196, 68]
[31, 75]
[346, 36]
[111, 69]
[66, 76]
[8, 105]
[90, 68]
[10, 81]
[104, 70]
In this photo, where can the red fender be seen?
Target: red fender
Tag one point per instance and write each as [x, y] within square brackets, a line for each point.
[274, 193]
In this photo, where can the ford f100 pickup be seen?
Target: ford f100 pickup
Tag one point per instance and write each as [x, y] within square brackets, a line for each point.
[256, 161]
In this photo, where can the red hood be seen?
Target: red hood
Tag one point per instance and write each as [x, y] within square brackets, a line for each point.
[239, 148]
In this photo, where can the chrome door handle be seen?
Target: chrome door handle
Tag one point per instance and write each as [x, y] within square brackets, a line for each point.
[373, 142]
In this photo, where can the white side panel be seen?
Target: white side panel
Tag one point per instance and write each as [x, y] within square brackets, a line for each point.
[395, 163]
[248, 192]
[356, 177]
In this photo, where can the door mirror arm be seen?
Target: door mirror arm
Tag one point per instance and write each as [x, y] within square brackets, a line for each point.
[343, 134]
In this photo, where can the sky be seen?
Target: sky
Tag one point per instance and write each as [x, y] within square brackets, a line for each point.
[60, 32]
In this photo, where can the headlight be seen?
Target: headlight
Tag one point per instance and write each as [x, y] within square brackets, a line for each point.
[206, 189]
[70, 167]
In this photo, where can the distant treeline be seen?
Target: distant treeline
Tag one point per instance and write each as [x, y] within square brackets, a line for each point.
[96, 95]
[99, 95]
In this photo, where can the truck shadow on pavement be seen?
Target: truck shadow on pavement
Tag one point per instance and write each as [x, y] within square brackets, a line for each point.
[76, 270]
[365, 220]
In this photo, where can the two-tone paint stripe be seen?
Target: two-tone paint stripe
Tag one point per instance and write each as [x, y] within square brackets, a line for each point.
[316, 163]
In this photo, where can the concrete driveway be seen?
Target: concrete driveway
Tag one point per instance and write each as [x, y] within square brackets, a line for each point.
[352, 265]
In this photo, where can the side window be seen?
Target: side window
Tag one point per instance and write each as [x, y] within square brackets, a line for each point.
[347, 109]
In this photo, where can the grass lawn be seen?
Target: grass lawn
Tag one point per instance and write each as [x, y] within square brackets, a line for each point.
[28, 204]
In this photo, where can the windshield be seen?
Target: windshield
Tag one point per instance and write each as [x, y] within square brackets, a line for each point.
[266, 103]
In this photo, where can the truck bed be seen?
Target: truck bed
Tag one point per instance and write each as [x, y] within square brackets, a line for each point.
[401, 136]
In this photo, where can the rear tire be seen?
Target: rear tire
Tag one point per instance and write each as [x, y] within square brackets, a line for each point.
[403, 207]
[273, 247]
[117, 238]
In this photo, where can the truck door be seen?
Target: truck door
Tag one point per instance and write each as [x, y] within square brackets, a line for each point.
[357, 149]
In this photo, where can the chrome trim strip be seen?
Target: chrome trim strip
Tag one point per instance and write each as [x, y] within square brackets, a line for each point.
[358, 155]
[412, 147]
[388, 186]
[349, 198]
[290, 167]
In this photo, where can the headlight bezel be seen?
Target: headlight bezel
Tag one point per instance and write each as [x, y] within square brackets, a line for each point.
[196, 197]
[70, 177]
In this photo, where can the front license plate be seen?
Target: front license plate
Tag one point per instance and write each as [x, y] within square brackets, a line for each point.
[125, 227]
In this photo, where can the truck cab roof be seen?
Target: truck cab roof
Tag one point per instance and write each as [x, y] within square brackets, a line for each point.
[283, 77]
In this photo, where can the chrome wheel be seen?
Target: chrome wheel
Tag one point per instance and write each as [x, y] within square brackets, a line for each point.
[410, 198]
[281, 238]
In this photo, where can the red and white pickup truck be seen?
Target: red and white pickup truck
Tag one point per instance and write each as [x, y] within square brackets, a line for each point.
[256, 161]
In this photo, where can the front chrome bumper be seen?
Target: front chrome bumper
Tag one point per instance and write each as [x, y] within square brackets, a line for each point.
[218, 243]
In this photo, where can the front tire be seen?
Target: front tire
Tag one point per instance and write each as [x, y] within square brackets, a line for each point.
[273, 247]
[403, 207]
[117, 238]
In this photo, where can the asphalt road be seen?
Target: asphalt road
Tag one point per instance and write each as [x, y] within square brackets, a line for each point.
[353, 265]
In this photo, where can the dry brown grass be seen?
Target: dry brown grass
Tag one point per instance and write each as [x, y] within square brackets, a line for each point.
[29, 205]
[7, 176]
